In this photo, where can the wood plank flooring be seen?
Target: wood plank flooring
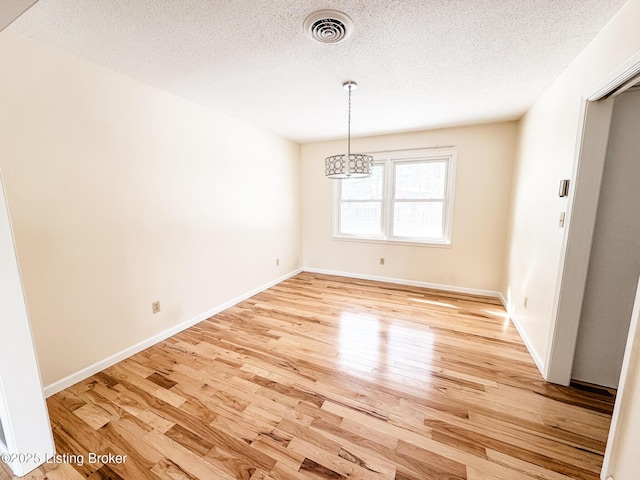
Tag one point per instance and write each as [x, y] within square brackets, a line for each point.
[323, 377]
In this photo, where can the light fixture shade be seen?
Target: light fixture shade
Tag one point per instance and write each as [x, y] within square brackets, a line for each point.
[348, 165]
[354, 165]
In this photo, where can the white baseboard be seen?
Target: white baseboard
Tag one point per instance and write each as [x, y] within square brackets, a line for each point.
[86, 372]
[80, 375]
[412, 283]
[503, 300]
[525, 339]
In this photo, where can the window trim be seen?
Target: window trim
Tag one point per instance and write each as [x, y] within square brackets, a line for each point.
[388, 159]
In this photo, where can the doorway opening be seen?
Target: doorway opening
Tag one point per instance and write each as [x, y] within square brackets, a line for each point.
[614, 259]
[596, 118]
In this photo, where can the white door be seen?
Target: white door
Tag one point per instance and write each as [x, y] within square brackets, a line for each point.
[26, 433]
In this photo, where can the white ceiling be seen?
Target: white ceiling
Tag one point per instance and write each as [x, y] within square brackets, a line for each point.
[419, 63]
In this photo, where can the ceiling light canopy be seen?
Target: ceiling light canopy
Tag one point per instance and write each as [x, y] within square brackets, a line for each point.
[349, 165]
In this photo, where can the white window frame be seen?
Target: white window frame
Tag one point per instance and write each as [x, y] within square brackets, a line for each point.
[388, 160]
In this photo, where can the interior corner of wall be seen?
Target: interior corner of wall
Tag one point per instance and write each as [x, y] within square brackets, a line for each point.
[535, 355]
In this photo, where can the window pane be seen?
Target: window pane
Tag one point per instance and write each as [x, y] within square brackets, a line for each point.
[368, 188]
[420, 180]
[418, 219]
[360, 218]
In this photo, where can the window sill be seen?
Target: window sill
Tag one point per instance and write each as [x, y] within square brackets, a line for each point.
[393, 242]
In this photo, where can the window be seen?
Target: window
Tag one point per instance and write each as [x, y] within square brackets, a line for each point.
[407, 198]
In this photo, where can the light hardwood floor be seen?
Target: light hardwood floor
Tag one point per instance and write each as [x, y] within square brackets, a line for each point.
[323, 377]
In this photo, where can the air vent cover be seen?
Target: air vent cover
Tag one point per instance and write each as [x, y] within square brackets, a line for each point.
[328, 26]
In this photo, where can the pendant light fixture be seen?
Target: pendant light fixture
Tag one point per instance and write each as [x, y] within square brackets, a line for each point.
[349, 165]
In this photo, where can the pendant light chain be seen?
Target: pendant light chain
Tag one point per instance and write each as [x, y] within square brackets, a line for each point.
[349, 132]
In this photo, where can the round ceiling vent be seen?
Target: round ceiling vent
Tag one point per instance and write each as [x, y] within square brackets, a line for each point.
[328, 26]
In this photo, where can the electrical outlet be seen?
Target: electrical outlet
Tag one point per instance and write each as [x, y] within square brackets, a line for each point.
[381, 261]
[526, 300]
[277, 262]
[155, 307]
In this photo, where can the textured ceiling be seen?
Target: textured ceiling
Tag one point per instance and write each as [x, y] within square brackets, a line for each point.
[419, 63]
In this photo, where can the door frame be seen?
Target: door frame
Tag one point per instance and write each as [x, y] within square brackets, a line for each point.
[595, 119]
[623, 407]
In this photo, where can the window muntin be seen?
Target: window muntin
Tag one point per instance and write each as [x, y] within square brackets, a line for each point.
[408, 198]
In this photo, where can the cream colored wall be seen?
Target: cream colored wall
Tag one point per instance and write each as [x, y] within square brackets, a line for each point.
[121, 194]
[476, 257]
[547, 152]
